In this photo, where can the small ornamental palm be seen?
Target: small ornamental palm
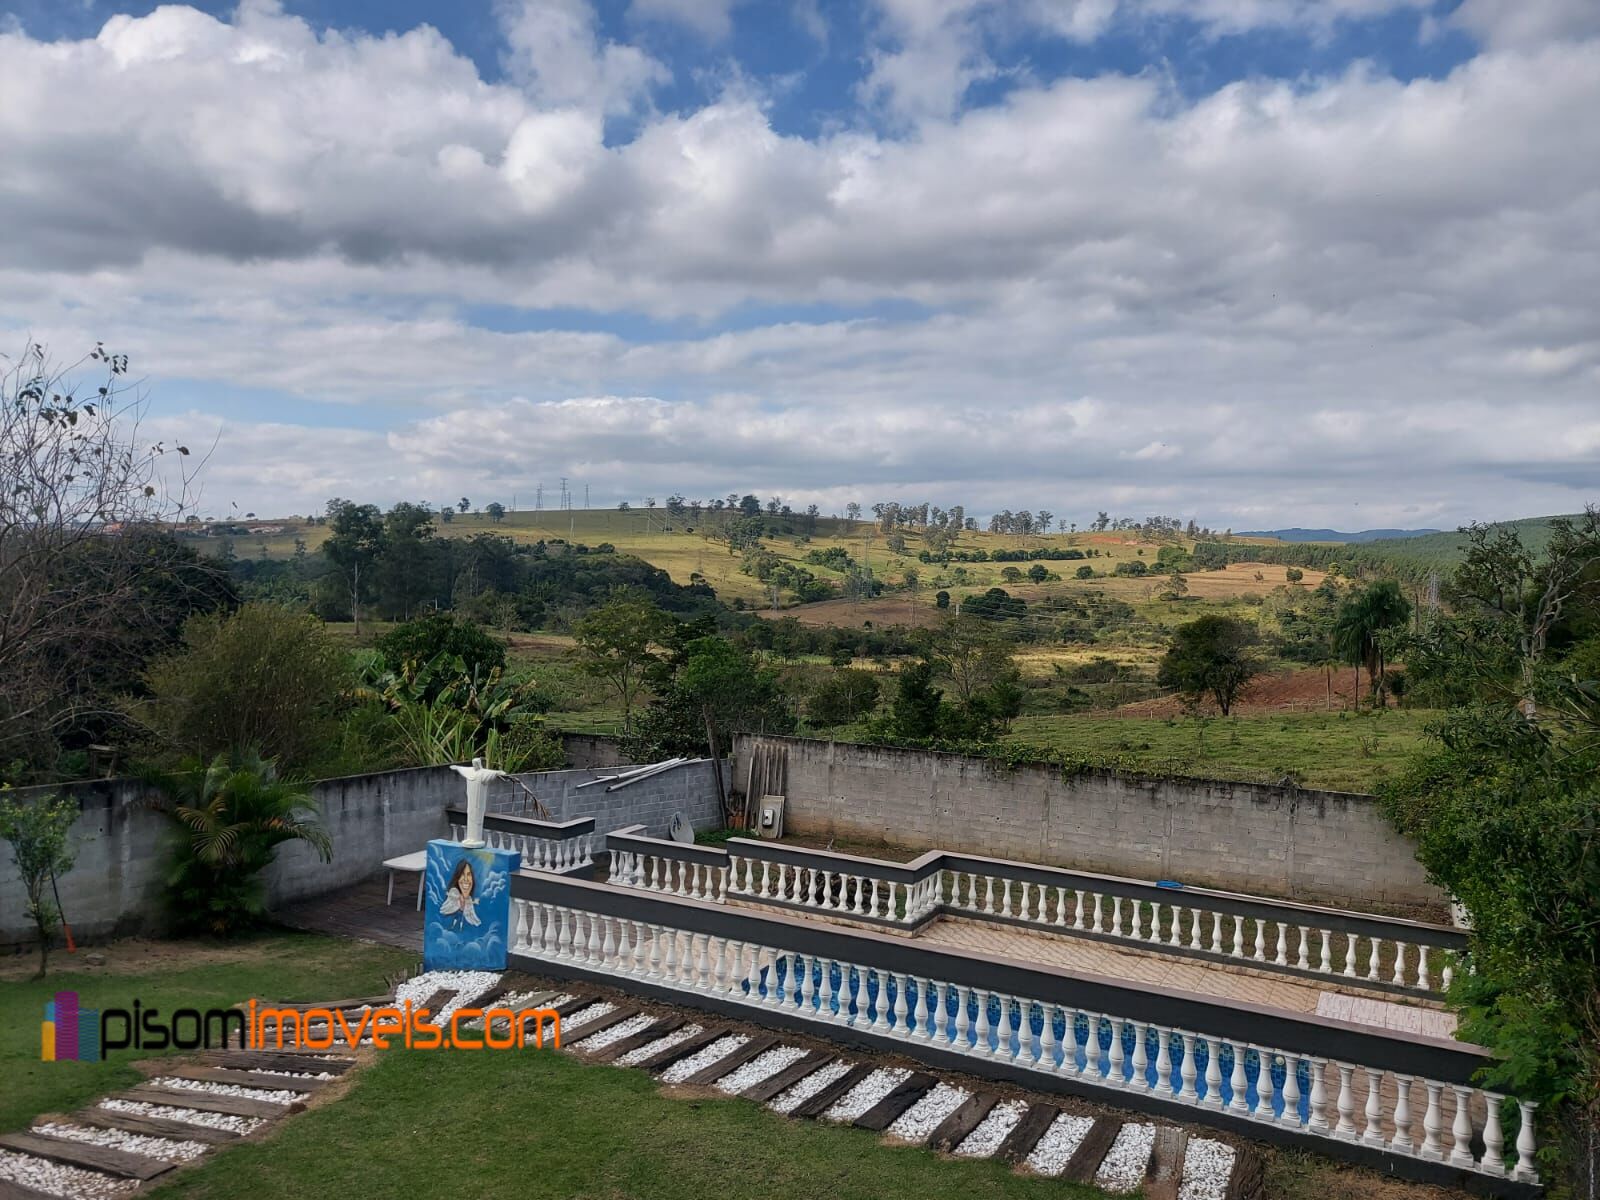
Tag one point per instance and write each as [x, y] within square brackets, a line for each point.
[232, 816]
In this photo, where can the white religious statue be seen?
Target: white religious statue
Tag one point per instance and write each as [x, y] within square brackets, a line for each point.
[478, 778]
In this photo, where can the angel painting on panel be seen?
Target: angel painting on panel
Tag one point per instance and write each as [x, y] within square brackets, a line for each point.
[458, 893]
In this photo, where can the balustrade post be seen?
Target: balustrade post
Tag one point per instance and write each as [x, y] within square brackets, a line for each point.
[1346, 1103]
[1402, 1142]
[1461, 1129]
[1196, 941]
[1325, 963]
[1077, 918]
[1163, 1086]
[1291, 1092]
[1136, 930]
[873, 911]
[981, 1029]
[1267, 1089]
[1399, 963]
[963, 1022]
[901, 1008]
[1099, 919]
[1238, 936]
[637, 966]
[919, 1015]
[1116, 916]
[1494, 1149]
[1350, 956]
[1525, 1171]
[1213, 1098]
[1116, 1057]
[1186, 1070]
[1047, 1038]
[880, 1010]
[1422, 968]
[1373, 1134]
[753, 978]
[1372, 963]
[941, 1017]
[1238, 1082]
[1317, 1114]
[808, 988]
[1303, 961]
[988, 893]
[1432, 1123]
[1141, 1058]
[1216, 933]
[1061, 906]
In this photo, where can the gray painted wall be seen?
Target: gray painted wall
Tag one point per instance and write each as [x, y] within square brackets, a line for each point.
[114, 889]
[586, 751]
[1314, 846]
[691, 790]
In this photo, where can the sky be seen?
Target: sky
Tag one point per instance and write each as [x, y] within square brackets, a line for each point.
[1252, 262]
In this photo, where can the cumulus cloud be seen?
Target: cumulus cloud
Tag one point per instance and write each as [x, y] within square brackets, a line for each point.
[1097, 291]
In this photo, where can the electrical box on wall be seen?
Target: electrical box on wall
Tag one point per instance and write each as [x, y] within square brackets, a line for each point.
[769, 817]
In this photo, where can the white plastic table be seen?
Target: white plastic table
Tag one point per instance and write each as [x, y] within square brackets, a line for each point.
[417, 862]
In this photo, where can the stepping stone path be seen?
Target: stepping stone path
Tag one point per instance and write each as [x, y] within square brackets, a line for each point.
[114, 1147]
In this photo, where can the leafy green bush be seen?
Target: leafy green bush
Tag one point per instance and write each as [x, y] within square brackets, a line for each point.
[265, 678]
[231, 817]
[427, 638]
[38, 834]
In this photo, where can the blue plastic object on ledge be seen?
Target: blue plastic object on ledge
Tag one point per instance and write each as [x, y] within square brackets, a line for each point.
[1169, 883]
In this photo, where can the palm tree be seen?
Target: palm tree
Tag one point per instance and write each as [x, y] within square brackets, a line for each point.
[1360, 624]
[232, 816]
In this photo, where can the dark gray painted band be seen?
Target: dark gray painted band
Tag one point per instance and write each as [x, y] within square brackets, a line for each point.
[559, 831]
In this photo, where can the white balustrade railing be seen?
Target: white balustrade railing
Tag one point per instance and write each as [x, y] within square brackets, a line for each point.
[1384, 953]
[544, 845]
[1410, 1097]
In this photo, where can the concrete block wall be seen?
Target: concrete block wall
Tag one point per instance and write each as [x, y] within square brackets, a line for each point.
[691, 790]
[1314, 846]
[586, 751]
[115, 887]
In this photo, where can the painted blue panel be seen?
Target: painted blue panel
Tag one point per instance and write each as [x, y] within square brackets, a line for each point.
[467, 922]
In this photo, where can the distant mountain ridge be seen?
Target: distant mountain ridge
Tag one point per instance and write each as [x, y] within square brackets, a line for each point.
[1334, 535]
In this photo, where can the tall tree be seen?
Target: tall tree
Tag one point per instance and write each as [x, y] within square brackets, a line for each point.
[355, 539]
[1363, 621]
[1212, 656]
[84, 491]
[613, 643]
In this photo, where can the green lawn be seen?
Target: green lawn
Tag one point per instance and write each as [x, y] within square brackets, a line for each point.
[279, 966]
[1339, 751]
[539, 1124]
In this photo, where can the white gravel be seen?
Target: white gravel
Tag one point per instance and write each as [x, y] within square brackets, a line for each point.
[919, 1121]
[1207, 1167]
[189, 1116]
[1124, 1165]
[808, 1087]
[587, 1013]
[868, 1092]
[623, 1029]
[704, 1057]
[170, 1149]
[61, 1180]
[294, 1074]
[762, 1066]
[266, 1096]
[665, 1042]
[991, 1131]
[468, 986]
[1056, 1147]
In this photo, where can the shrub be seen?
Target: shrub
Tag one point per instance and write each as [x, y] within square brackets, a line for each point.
[425, 639]
[231, 817]
[38, 835]
[264, 678]
[1084, 572]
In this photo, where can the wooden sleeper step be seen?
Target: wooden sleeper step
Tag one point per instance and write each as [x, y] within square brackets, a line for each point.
[953, 1130]
[815, 1106]
[1091, 1152]
[662, 1059]
[233, 1106]
[1163, 1174]
[105, 1118]
[85, 1155]
[652, 1032]
[775, 1085]
[887, 1111]
[283, 1083]
[1025, 1134]
[272, 1060]
[730, 1062]
[623, 1012]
